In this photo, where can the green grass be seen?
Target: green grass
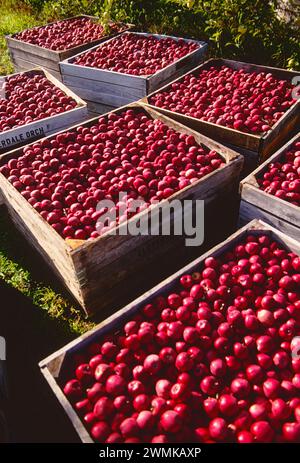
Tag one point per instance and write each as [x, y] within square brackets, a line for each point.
[25, 272]
[12, 19]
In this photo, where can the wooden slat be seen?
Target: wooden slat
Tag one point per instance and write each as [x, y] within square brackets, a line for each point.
[77, 424]
[98, 108]
[56, 364]
[36, 60]
[50, 55]
[249, 212]
[98, 87]
[281, 131]
[103, 98]
[21, 65]
[280, 208]
[89, 73]
[251, 159]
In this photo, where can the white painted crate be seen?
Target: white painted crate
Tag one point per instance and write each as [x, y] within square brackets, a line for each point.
[115, 89]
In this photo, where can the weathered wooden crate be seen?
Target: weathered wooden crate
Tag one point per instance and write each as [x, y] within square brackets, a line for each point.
[99, 272]
[23, 134]
[26, 55]
[256, 203]
[255, 148]
[55, 368]
[114, 89]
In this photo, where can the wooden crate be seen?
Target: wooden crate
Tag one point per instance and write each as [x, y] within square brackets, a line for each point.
[55, 367]
[255, 148]
[99, 272]
[256, 203]
[23, 134]
[25, 55]
[116, 89]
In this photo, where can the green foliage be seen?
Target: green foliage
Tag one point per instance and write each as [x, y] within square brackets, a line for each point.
[12, 19]
[250, 30]
[66, 8]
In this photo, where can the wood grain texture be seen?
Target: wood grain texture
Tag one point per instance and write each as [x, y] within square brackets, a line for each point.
[56, 366]
[249, 212]
[98, 271]
[99, 87]
[263, 145]
[21, 65]
[20, 55]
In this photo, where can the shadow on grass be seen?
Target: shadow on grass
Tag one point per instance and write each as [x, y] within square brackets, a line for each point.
[23, 268]
[32, 411]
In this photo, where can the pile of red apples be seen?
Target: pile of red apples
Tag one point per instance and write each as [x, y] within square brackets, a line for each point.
[282, 177]
[215, 359]
[63, 35]
[135, 54]
[130, 154]
[249, 102]
[29, 97]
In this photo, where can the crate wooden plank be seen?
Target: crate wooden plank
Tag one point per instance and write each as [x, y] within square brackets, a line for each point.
[262, 145]
[17, 55]
[125, 85]
[89, 73]
[98, 108]
[55, 366]
[99, 87]
[107, 98]
[280, 208]
[249, 212]
[21, 65]
[85, 269]
[284, 215]
[40, 128]
[32, 49]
